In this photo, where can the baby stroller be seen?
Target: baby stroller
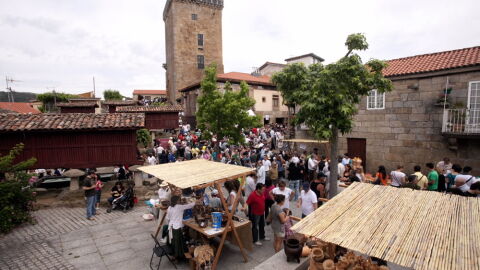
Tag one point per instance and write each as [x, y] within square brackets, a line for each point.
[124, 202]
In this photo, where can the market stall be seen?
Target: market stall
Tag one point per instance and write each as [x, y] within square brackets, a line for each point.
[412, 228]
[199, 174]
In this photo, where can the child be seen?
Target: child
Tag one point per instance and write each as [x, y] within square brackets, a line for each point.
[98, 191]
[288, 224]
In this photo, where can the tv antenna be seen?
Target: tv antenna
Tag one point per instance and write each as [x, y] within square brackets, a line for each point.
[10, 91]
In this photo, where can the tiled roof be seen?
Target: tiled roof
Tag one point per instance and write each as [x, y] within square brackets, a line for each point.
[20, 107]
[150, 92]
[239, 76]
[433, 62]
[160, 108]
[70, 121]
[119, 102]
[77, 104]
[236, 77]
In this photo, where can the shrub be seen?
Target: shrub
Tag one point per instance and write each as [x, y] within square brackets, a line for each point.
[16, 199]
[143, 137]
[16, 196]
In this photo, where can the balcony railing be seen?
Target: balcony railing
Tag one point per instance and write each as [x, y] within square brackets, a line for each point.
[461, 121]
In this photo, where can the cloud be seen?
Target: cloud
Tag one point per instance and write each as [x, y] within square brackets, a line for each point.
[121, 42]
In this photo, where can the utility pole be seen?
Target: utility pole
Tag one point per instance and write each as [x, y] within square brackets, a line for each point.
[93, 86]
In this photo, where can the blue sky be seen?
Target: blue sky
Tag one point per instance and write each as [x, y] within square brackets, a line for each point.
[63, 44]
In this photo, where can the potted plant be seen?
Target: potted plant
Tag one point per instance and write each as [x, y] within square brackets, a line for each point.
[444, 98]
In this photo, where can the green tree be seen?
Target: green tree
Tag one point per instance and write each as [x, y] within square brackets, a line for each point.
[111, 94]
[50, 98]
[328, 95]
[16, 196]
[224, 114]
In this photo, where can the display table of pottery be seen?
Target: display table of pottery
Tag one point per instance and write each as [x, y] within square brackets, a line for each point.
[242, 226]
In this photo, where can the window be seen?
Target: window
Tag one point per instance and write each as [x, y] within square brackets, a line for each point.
[148, 97]
[194, 17]
[264, 99]
[200, 61]
[375, 100]
[275, 100]
[200, 39]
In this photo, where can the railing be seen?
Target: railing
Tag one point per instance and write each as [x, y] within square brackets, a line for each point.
[461, 121]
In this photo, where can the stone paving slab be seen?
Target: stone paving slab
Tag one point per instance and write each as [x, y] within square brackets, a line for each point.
[64, 239]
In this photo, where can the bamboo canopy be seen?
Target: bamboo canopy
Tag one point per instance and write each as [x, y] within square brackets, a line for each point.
[197, 172]
[412, 228]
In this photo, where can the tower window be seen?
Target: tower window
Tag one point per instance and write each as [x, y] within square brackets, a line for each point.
[200, 39]
[194, 17]
[200, 61]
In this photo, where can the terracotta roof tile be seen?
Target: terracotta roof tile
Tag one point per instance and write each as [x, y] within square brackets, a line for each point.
[77, 104]
[119, 102]
[20, 107]
[161, 108]
[433, 62]
[239, 76]
[150, 92]
[70, 121]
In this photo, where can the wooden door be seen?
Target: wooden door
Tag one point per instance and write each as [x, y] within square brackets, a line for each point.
[358, 148]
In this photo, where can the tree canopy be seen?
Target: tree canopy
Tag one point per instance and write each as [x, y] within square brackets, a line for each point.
[48, 99]
[224, 113]
[111, 94]
[328, 95]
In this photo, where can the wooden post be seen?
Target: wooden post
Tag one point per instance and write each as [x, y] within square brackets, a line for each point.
[160, 225]
[229, 224]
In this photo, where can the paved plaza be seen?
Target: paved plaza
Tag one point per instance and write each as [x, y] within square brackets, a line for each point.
[64, 239]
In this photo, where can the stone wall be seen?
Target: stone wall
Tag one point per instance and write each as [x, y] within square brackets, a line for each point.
[182, 44]
[408, 130]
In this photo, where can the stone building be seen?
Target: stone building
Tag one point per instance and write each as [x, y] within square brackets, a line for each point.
[413, 124]
[149, 94]
[268, 101]
[193, 37]
[269, 68]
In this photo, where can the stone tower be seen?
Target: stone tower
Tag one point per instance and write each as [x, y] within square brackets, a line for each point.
[193, 37]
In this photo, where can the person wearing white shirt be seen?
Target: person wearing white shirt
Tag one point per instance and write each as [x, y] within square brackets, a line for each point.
[266, 163]
[261, 174]
[341, 168]
[312, 167]
[283, 190]
[175, 225]
[398, 177]
[249, 186]
[151, 160]
[465, 180]
[308, 200]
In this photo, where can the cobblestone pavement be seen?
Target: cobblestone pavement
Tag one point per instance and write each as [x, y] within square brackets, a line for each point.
[64, 239]
[41, 246]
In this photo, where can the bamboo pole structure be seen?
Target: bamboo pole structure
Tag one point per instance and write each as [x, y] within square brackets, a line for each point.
[412, 228]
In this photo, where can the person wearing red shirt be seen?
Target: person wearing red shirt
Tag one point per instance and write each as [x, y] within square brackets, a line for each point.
[256, 203]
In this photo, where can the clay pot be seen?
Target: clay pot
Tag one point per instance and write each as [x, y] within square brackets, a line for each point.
[341, 265]
[328, 265]
[306, 251]
[317, 255]
[293, 249]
